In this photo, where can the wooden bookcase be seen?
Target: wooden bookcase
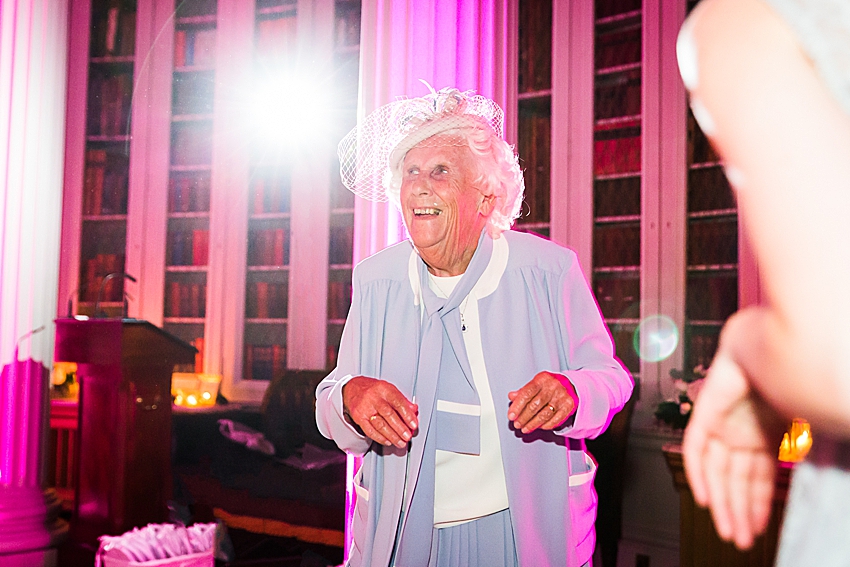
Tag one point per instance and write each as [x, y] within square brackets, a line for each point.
[341, 245]
[712, 280]
[111, 62]
[617, 169]
[190, 173]
[238, 248]
[534, 116]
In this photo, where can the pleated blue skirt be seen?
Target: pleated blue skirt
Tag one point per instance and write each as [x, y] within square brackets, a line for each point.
[485, 542]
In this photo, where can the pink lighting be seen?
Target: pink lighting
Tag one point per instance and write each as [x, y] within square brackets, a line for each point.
[33, 61]
[460, 43]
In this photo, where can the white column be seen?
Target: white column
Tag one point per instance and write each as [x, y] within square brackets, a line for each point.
[33, 59]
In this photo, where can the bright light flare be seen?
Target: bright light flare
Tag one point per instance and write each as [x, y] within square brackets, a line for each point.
[288, 112]
[656, 338]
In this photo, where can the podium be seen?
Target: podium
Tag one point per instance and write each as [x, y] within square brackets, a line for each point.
[123, 462]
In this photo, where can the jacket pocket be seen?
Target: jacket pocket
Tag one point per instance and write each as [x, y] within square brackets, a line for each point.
[359, 520]
[583, 497]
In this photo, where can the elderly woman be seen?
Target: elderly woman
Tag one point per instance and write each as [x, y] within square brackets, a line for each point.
[474, 360]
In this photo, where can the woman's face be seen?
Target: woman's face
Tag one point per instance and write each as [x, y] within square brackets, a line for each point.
[444, 213]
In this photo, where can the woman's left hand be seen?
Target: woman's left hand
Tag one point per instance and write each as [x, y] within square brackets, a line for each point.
[545, 402]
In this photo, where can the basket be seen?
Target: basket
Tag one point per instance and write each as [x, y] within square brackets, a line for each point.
[115, 558]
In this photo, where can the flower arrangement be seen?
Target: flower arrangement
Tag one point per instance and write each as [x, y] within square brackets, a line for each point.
[677, 412]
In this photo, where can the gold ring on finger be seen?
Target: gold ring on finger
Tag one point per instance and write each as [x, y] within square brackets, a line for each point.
[373, 417]
[552, 408]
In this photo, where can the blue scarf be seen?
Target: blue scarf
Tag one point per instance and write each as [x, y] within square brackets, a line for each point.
[443, 372]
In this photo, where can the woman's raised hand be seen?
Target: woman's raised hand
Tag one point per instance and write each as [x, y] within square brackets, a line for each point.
[545, 402]
[380, 410]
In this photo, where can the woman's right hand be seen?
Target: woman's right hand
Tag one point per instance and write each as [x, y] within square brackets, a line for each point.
[380, 410]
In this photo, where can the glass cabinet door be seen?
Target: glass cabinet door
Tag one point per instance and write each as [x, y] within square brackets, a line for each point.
[190, 169]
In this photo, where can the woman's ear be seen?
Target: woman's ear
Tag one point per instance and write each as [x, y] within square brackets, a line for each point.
[486, 205]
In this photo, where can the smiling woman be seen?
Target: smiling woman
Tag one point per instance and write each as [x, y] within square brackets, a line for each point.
[474, 360]
[443, 211]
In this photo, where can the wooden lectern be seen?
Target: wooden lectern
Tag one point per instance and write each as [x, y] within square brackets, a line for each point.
[124, 431]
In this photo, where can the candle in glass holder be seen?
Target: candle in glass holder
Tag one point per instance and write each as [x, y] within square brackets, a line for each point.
[796, 442]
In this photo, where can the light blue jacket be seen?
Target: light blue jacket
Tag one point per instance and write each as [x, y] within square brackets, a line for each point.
[540, 315]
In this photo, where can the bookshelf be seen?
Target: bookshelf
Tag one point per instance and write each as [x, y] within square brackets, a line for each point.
[617, 170]
[190, 168]
[267, 261]
[104, 194]
[534, 120]
[712, 250]
[341, 234]
[237, 247]
[713, 257]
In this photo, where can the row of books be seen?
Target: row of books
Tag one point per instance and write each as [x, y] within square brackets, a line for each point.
[276, 37]
[607, 8]
[195, 8]
[617, 95]
[711, 297]
[339, 299]
[263, 362]
[189, 194]
[191, 144]
[616, 196]
[193, 94]
[616, 155]
[105, 183]
[109, 104]
[95, 270]
[268, 247]
[185, 299]
[617, 297]
[113, 32]
[616, 245]
[535, 46]
[266, 300]
[348, 27]
[188, 247]
[271, 195]
[194, 47]
[713, 241]
[618, 47]
[341, 245]
[534, 141]
[623, 338]
[709, 190]
[700, 149]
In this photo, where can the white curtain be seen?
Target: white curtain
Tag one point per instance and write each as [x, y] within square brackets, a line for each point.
[459, 43]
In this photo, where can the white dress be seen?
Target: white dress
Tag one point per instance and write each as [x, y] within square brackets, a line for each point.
[816, 524]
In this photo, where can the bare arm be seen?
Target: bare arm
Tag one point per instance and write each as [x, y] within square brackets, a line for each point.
[785, 142]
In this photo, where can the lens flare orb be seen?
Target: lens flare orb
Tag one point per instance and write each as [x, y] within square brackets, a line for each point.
[656, 338]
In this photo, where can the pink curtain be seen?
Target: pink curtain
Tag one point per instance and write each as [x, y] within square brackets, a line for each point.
[33, 62]
[461, 43]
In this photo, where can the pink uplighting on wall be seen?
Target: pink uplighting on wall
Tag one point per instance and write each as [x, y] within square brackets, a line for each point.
[33, 60]
[460, 43]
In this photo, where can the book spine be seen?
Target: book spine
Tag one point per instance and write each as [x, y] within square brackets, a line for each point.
[173, 299]
[262, 300]
[180, 48]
